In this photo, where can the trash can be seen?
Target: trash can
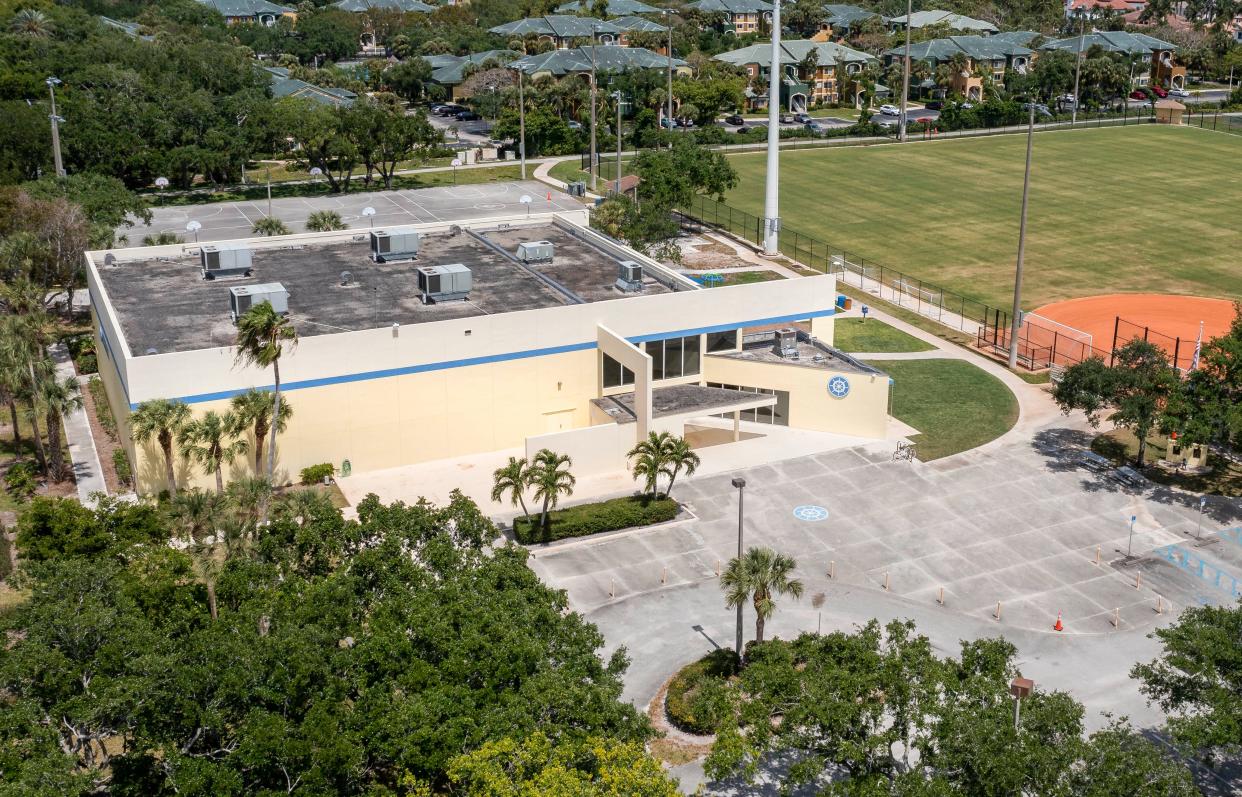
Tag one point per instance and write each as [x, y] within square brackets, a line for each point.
[841, 299]
[849, 304]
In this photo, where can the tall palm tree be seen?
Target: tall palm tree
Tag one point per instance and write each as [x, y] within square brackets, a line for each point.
[12, 375]
[161, 420]
[551, 479]
[261, 335]
[192, 513]
[212, 441]
[649, 460]
[255, 407]
[23, 345]
[58, 398]
[756, 576]
[513, 479]
[680, 456]
[32, 23]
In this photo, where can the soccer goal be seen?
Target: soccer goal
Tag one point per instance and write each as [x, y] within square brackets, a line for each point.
[1063, 343]
[908, 293]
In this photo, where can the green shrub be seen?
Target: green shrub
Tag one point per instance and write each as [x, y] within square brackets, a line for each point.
[579, 521]
[21, 480]
[120, 463]
[103, 410]
[696, 699]
[56, 528]
[315, 474]
[82, 350]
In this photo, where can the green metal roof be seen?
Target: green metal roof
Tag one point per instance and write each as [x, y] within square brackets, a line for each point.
[408, 6]
[732, 6]
[793, 52]
[979, 48]
[1022, 38]
[607, 59]
[921, 19]
[632, 24]
[284, 86]
[620, 7]
[448, 69]
[1113, 41]
[558, 25]
[846, 14]
[245, 8]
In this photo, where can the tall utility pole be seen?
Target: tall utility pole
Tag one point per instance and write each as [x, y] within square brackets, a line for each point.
[740, 484]
[771, 203]
[905, 79]
[52, 83]
[1082, 38]
[522, 124]
[1017, 277]
[668, 22]
[594, 158]
[616, 95]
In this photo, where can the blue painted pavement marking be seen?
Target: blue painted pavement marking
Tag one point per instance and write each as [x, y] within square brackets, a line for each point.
[810, 513]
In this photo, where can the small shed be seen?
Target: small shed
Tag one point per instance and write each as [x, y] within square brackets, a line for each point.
[628, 186]
[1169, 112]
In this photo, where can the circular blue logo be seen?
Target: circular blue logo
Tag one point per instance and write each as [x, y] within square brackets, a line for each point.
[838, 387]
[810, 513]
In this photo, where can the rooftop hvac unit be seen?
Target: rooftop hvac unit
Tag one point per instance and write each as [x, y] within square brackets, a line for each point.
[444, 283]
[629, 276]
[535, 252]
[398, 244]
[243, 297]
[221, 260]
[787, 343]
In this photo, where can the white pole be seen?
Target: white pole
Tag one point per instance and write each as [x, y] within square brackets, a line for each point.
[1016, 322]
[668, 21]
[1082, 33]
[522, 123]
[905, 78]
[771, 205]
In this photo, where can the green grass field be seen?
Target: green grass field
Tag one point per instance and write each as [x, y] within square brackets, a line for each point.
[1111, 209]
[955, 405]
[856, 335]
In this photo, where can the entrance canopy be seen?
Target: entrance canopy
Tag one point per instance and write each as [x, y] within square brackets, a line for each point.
[675, 402]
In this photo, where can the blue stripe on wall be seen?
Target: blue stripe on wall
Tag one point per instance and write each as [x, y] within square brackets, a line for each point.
[386, 373]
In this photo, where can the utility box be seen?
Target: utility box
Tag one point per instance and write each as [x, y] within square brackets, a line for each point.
[535, 252]
[243, 297]
[223, 260]
[394, 244]
[629, 276]
[444, 283]
[787, 343]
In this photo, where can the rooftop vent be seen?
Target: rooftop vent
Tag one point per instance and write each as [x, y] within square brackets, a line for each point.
[786, 341]
[629, 276]
[222, 260]
[535, 252]
[444, 283]
[395, 244]
[243, 297]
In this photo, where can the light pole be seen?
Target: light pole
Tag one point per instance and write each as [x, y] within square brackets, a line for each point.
[668, 23]
[1017, 275]
[52, 83]
[1082, 34]
[905, 78]
[1019, 688]
[740, 484]
[594, 159]
[771, 203]
[1130, 543]
[1202, 506]
[522, 123]
[616, 95]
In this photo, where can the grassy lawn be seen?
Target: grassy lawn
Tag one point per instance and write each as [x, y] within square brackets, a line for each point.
[955, 405]
[1121, 446]
[856, 335]
[1111, 209]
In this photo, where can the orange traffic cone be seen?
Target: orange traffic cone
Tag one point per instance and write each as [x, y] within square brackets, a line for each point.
[1058, 626]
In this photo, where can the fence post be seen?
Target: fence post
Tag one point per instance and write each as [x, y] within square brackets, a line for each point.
[1112, 350]
[1055, 336]
[1177, 347]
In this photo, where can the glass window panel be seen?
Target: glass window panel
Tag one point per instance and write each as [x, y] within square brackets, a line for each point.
[655, 349]
[612, 372]
[627, 376]
[722, 341]
[690, 355]
[672, 358]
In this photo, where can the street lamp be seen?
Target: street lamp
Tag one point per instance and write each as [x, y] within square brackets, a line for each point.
[905, 78]
[1019, 688]
[668, 23]
[1017, 275]
[52, 83]
[1130, 543]
[616, 95]
[193, 227]
[522, 122]
[370, 214]
[1202, 506]
[771, 203]
[740, 484]
[1082, 37]
[594, 159]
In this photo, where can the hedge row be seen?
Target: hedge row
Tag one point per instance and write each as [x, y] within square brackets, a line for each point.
[579, 521]
[688, 704]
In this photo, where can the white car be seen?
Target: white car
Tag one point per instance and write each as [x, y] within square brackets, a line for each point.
[1179, 93]
[889, 110]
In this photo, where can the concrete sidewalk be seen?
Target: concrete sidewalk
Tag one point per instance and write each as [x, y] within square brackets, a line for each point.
[87, 470]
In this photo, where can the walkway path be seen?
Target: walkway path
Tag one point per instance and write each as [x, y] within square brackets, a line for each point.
[86, 467]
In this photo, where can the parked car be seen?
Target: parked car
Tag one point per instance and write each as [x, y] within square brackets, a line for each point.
[435, 108]
[966, 105]
[573, 124]
[467, 116]
[889, 110]
[802, 118]
[1161, 93]
[814, 127]
[451, 109]
[786, 118]
[1040, 109]
[735, 119]
[934, 105]
[924, 119]
[885, 121]
[1179, 93]
[1138, 94]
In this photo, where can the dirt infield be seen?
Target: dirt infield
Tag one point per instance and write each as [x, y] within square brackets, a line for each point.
[1165, 318]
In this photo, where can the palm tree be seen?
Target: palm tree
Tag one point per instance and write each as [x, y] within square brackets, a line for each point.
[58, 398]
[162, 420]
[164, 238]
[261, 333]
[650, 460]
[22, 345]
[255, 407]
[270, 225]
[513, 478]
[756, 576]
[680, 457]
[551, 479]
[302, 505]
[212, 441]
[207, 567]
[32, 23]
[325, 221]
[249, 497]
[193, 513]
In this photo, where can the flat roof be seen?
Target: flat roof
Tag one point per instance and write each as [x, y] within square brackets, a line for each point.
[681, 400]
[811, 354]
[164, 304]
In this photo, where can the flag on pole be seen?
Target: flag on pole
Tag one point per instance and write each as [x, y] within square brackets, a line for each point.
[1194, 361]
